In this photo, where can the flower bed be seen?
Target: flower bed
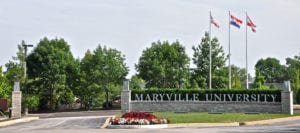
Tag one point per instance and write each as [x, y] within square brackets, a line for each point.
[138, 118]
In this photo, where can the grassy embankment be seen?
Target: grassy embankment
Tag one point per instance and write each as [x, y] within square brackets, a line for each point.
[217, 118]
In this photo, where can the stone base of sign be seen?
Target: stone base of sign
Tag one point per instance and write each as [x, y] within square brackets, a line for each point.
[16, 104]
[137, 126]
[201, 106]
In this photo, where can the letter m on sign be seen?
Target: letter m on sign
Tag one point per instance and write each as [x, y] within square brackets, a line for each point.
[138, 97]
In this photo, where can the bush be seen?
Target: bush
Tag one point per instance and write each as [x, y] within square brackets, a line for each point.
[32, 102]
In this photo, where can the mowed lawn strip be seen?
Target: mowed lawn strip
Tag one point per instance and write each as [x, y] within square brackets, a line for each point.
[217, 118]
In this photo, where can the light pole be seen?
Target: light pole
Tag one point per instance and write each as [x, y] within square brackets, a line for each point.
[25, 67]
[25, 46]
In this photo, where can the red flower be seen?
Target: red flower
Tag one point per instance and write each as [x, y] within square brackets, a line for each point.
[135, 118]
[139, 115]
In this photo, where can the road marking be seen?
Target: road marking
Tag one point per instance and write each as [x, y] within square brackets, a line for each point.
[56, 125]
[79, 117]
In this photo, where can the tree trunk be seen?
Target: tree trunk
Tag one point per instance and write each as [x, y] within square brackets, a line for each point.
[106, 96]
[51, 97]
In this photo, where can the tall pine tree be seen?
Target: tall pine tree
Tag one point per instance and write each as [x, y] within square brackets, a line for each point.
[201, 60]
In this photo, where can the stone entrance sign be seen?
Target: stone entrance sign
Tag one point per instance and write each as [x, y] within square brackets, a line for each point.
[173, 102]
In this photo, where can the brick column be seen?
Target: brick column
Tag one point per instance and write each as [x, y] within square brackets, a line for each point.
[287, 99]
[125, 97]
[16, 101]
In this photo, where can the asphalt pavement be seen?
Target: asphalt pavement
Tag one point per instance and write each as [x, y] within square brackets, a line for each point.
[90, 122]
[62, 125]
[75, 114]
[85, 122]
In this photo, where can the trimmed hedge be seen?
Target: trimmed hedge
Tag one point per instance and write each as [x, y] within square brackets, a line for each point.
[202, 92]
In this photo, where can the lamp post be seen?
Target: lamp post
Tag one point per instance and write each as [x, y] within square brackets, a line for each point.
[25, 46]
[25, 50]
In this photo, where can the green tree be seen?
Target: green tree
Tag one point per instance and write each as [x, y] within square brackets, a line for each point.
[72, 82]
[5, 87]
[293, 73]
[259, 80]
[164, 65]
[34, 101]
[238, 77]
[101, 71]
[271, 69]
[47, 70]
[110, 68]
[201, 60]
[136, 82]
[15, 71]
[15, 67]
[88, 89]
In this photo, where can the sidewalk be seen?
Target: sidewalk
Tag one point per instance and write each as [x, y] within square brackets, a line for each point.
[8, 122]
[271, 121]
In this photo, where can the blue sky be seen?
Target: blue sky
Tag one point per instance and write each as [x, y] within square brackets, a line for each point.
[132, 25]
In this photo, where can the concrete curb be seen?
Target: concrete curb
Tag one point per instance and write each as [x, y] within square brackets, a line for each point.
[156, 126]
[106, 123]
[270, 121]
[172, 125]
[15, 121]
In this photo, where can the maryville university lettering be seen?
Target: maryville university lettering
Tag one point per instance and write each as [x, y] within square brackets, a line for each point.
[206, 97]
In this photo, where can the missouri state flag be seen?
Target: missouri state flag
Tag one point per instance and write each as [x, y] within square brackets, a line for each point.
[235, 21]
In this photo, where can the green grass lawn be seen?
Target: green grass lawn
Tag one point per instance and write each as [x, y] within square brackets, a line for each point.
[217, 118]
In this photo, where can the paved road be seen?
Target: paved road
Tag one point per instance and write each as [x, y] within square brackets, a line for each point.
[76, 114]
[91, 124]
[49, 124]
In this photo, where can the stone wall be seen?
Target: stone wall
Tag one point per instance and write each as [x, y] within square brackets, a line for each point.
[285, 106]
[202, 106]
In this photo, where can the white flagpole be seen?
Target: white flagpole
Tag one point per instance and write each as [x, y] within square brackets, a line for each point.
[210, 50]
[229, 66]
[247, 80]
